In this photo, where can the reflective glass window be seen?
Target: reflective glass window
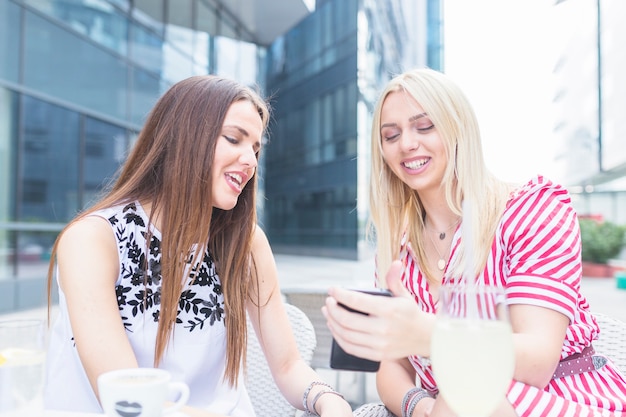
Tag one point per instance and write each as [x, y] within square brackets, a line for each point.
[201, 55]
[339, 111]
[178, 30]
[228, 26]
[49, 163]
[105, 149]
[9, 41]
[146, 48]
[205, 18]
[150, 13]
[237, 59]
[97, 19]
[30, 253]
[146, 90]
[176, 65]
[8, 151]
[79, 72]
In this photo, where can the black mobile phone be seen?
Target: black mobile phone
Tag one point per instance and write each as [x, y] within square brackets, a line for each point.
[340, 359]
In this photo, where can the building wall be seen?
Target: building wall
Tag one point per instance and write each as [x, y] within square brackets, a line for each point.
[591, 90]
[325, 75]
[76, 81]
[310, 161]
[590, 99]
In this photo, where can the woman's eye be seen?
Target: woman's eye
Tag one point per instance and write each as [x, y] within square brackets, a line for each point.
[425, 128]
[391, 137]
[389, 134]
[231, 140]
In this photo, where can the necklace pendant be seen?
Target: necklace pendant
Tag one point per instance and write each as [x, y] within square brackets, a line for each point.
[442, 235]
[441, 264]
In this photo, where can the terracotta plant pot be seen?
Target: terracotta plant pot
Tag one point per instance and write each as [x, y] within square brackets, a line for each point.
[595, 270]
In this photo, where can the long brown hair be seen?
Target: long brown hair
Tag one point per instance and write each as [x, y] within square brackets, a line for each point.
[170, 166]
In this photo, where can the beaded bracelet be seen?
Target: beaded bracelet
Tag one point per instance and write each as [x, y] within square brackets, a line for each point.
[411, 398]
[407, 397]
[317, 397]
[305, 396]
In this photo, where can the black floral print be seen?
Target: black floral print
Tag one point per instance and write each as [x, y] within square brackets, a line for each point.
[139, 291]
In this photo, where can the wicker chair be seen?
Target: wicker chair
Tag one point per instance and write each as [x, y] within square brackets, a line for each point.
[310, 301]
[612, 340]
[610, 343]
[266, 398]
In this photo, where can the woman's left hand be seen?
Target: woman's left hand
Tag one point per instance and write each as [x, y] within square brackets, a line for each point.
[393, 328]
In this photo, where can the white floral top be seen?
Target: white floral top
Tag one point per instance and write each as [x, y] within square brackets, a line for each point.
[196, 354]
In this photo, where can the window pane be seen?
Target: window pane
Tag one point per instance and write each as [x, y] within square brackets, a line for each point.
[96, 19]
[105, 146]
[146, 91]
[8, 152]
[31, 254]
[9, 38]
[237, 59]
[49, 171]
[146, 48]
[80, 72]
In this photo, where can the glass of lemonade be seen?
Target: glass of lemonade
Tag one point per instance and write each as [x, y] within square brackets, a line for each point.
[22, 354]
[472, 348]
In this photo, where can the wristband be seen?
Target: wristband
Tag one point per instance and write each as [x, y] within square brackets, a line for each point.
[407, 397]
[317, 397]
[305, 396]
[411, 398]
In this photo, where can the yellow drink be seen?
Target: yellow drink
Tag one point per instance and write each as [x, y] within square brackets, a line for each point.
[21, 381]
[473, 363]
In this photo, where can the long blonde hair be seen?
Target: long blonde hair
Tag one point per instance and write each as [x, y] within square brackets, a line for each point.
[170, 166]
[395, 208]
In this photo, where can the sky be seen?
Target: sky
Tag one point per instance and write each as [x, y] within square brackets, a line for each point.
[501, 53]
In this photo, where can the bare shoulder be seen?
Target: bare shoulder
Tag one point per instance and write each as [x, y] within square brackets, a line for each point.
[259, 238]
[89, 226]
[87, 247]
[88, 232]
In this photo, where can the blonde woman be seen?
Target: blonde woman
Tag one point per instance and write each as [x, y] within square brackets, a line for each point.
[426, 162]
[163, 269]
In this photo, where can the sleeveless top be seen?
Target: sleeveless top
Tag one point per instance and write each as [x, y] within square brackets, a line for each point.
[196, 353]
[535, 257]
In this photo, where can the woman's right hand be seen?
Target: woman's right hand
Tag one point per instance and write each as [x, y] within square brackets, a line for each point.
[393, 328]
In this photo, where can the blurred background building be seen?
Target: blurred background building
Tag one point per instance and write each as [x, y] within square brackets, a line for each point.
[325, 74]
[590, 103]
[77, 78]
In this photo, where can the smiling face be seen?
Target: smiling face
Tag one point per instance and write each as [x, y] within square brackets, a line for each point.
[236, 153]
[410, 142]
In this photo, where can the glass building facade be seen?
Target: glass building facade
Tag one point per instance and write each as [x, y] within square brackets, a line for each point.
[77, 78]
[326, 73]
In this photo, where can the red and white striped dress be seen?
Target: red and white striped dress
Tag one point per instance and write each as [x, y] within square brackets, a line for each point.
[536, 257]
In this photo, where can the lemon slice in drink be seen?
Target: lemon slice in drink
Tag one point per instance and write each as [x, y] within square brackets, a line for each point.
[20, 357]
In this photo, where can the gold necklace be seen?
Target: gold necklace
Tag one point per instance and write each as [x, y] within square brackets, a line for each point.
[441, 263]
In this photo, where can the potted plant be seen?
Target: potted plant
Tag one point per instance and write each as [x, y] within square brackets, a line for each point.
[601, 241]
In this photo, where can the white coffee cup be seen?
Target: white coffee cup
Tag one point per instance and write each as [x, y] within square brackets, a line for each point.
[140, 392]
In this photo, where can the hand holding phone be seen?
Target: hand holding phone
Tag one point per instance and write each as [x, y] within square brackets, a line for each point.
[340, 359]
